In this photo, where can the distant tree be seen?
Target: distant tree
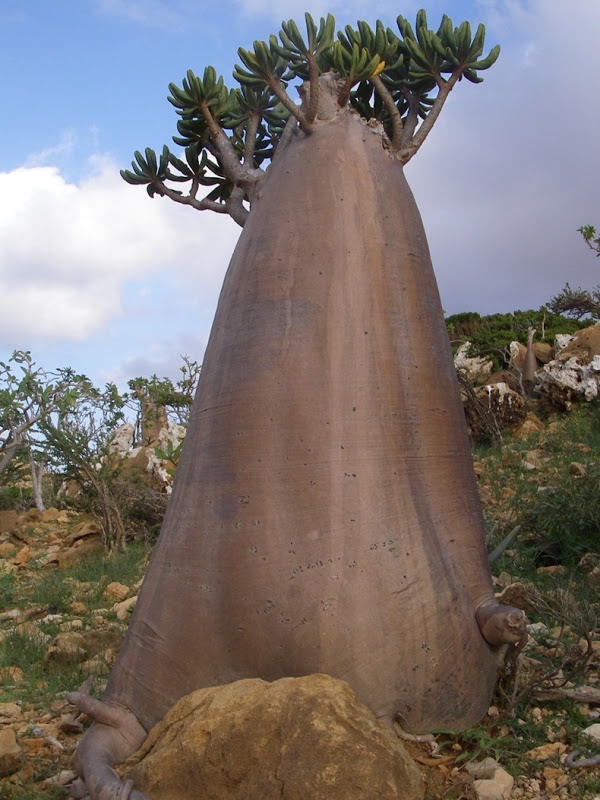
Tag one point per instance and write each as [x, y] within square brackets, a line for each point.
[161, 399]
[577, 303]
[29, 395]
[78, 445]
[589, 234]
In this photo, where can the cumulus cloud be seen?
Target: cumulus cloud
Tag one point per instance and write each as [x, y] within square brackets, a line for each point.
[69, 251]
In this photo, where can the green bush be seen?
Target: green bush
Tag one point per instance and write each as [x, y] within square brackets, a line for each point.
[492, 334]
[566, 516]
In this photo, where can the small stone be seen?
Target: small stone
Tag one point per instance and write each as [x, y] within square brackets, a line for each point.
[499, 787]
[23, 556]
[50, 515]
[593, 578]
[66, 648]
[95, 666]
[11, 674]
[554, 569]
[62, 778]
[520, 595]
[482, 769]
[11, 754]
[8, 521]
[124, 608]
[553, 776]
[117, 592]
[71, 625]
[577, 469]
[10, 710]
[593, 731]
[546, 751]
[7, 550]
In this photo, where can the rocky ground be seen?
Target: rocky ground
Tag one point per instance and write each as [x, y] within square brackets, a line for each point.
[59, 623]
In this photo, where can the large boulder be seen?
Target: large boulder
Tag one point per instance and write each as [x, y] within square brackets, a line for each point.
[493, 408]
[574, 375]
[295, 738]
[585, 345]
[476, 368]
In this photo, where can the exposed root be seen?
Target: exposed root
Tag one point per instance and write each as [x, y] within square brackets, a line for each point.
[570, 761]
[421, 738]
[113, 736]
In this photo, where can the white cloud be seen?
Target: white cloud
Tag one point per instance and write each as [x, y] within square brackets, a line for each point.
[69, 252]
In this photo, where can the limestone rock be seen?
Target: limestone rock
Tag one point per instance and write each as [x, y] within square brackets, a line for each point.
[23, 556]
[494, 406]
[593, 578]
[117, 592]
[520, 595]
[294, 739]
[517, 354]
[85, 529]
[11, 674]
[491, 781]
[50, 515]
[547, 751]
[7, 550]
[10, 711]
[585, 344]
[574, 374]
[498, 787]
[123, 609]
[8, 521]
[593, 731]
[66, 648]
[121, 441]
[543, 352]
[11, 755]
[577, 469]
[531, 424]
[85, 541]
[476, 368]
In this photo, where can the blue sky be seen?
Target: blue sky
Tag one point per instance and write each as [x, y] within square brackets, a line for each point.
[95, 275]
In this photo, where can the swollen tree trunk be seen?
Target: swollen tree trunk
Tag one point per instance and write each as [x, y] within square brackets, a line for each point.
[324, 516]
[529, 364]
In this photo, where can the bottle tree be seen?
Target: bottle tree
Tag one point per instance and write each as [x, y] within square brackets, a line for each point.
[324, 515]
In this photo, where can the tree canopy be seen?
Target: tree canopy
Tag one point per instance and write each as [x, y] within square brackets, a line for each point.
[228, 136]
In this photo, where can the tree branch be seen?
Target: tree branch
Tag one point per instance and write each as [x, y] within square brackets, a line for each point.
[237, 172]
[250, 140]
[388, 101]
[412, 117]
[313, 78]
[280, 93]
[234, 209]
[444, 89]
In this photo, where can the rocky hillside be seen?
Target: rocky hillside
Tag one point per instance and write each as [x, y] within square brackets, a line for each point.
[65, 603]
